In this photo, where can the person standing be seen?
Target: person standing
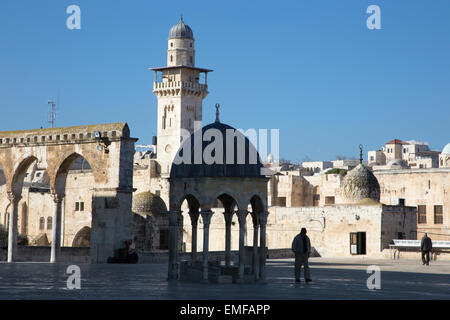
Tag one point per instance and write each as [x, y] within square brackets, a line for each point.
[301, 245]
[425, 247]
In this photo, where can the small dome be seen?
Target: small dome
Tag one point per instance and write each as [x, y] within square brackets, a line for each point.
[148, 203]
[446, 149]
[358, 184]
[181, 31]
[231, 169]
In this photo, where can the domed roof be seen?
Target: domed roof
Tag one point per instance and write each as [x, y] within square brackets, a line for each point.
[181, 31]
[446, 149]
[249, 167]
[358, 184]
[148, 203]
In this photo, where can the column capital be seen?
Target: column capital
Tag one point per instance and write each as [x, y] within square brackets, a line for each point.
[242, 216]
[58, 198]
[255, 218]
[263, 218]
[206, 216]
[194, 216]
[228, 217]
[14, 198]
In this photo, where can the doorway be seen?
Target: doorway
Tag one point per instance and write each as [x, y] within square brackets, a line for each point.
[357, 243]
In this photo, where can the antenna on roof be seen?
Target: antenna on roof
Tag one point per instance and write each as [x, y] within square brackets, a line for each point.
[52, 113]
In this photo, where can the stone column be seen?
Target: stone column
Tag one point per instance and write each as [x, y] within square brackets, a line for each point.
[206, 217]
[56, 228]
[242, 216]
[194, 223]
[173, 247]
[228, 219]
[255, 262]
[12, 228]
[262, 253]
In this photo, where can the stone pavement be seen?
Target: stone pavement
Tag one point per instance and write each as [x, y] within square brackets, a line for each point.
[332, 279]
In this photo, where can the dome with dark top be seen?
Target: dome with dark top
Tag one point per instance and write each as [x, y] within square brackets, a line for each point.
[181, 31]
[148, 203]
[360, 183]
[228, 153]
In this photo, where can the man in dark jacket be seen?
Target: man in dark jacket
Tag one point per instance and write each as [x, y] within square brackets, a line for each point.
[301, 247]
[425, 246]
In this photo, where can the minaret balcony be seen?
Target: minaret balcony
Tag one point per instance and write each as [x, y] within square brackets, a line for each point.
[179, 85]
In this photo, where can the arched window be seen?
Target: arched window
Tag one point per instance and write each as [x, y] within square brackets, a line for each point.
[49, 223]
[171, 58]
[171, 44]
[41, 223]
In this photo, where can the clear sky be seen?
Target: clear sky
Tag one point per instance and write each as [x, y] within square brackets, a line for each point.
[309, 68]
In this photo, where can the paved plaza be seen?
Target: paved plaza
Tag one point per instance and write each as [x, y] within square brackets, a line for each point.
[332, 279]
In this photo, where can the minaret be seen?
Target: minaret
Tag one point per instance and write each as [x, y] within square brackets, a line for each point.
[179, 93]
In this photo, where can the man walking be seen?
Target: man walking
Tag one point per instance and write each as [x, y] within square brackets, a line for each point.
[425, 246]
[301, 247]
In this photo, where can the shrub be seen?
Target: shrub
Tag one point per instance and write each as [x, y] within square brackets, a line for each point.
[22, 239]
[342, 172]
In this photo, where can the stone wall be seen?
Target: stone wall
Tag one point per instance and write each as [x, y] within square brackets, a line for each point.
[427, 187]
[42, 254]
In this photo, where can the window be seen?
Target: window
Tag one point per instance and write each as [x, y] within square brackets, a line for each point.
[190, 59]
[171, 44]
[49, 223]
[329, 200]
[438, 215]
[158, 193]
[79, 206]
[421, 214]
[401, 201]
[281, 201]
[171, 58]
[41, 223]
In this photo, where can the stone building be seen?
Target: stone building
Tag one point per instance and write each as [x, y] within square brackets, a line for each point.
[412, 154]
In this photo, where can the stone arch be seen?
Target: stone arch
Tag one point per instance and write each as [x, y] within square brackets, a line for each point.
[176, 201]
[257, 204]
[58, 182]
[82, 238]
[16, 183]
[228, 202]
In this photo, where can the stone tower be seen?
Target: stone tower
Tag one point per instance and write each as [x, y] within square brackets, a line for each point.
[180, 93]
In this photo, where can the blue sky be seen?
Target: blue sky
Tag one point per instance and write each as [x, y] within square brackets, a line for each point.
[309, 68]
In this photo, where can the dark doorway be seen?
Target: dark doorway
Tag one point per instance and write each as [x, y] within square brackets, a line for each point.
[358, 243]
